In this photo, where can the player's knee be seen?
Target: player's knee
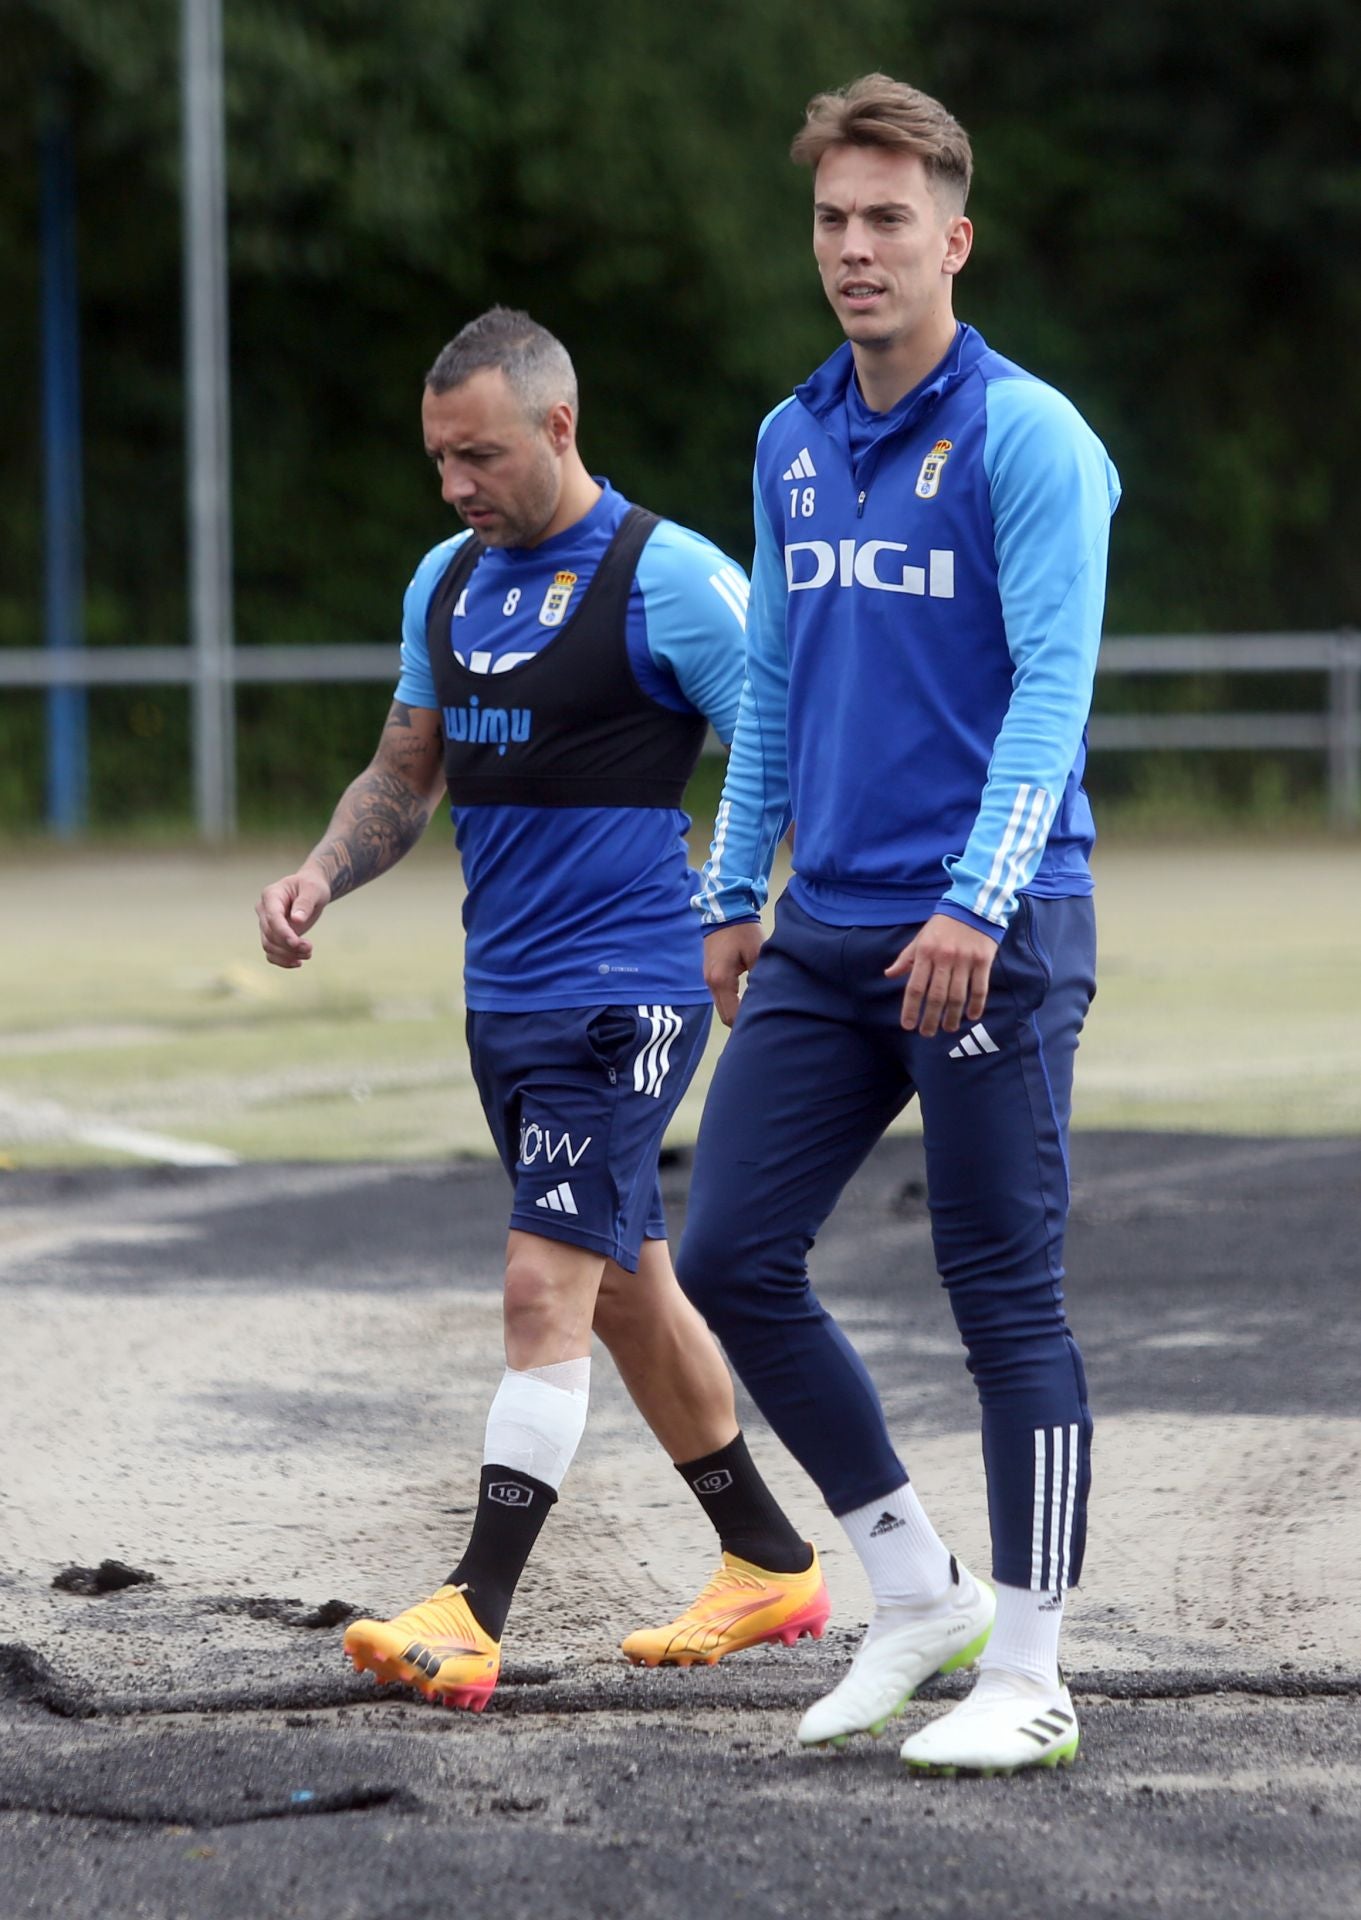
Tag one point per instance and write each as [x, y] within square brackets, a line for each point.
[735, 1284]
[536, 1298]
[996, 1297]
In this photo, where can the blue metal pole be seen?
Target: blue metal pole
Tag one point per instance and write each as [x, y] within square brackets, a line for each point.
[67, 734]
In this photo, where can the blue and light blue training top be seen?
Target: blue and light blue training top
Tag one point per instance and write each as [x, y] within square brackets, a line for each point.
[925, 614]
[584, 906]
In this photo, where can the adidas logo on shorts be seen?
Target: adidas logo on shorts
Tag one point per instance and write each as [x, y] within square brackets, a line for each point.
[557, 1200]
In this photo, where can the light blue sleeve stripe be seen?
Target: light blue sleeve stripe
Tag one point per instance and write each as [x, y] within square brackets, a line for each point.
[1053, 492]
[415, 682]
[695, 605]
[754, 811]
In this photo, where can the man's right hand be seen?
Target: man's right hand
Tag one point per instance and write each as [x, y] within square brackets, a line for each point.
[729, 952]
[288, 909]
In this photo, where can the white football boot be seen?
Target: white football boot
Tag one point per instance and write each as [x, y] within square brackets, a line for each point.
[893, 1660]
[1007, 1722]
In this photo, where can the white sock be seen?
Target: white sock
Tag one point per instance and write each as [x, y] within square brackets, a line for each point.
[1025, 1635]
[537, 1419]
[905, 1560]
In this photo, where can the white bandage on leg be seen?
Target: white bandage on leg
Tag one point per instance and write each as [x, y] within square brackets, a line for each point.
[537, 1419]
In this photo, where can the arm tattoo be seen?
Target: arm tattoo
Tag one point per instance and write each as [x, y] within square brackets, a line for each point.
[406, 751]
[379, 819]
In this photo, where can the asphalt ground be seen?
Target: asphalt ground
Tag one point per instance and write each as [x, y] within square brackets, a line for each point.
[264, 1386]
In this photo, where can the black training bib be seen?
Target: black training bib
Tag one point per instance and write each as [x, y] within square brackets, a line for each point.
[571, 727]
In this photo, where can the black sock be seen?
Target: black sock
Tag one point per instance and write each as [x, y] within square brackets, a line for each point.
[747, 1517]
[511, 1508]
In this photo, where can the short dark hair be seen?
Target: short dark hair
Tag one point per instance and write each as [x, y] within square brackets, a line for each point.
[876, 111]
[538, 368]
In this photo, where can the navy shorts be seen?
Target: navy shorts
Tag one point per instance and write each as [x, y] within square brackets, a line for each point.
[578, 1099]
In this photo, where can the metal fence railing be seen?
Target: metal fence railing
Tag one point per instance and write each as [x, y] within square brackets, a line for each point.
[1332, 729]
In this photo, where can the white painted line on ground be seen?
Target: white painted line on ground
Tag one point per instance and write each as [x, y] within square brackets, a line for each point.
[24, 1121]
[156, 1146]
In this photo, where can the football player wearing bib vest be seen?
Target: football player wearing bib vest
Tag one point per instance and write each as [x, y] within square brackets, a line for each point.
[560, 663]
[931, 536]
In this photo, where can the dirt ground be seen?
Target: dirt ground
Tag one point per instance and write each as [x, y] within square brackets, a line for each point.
[265, 1387]
[250, 1308]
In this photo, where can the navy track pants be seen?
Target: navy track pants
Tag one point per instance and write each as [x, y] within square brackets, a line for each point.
[815, 1069]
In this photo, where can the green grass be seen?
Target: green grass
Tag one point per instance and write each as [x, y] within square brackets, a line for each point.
[136, 995]
[1185, 796]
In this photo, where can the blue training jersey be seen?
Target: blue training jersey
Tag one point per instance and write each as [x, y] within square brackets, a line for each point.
[582, 906]
[926, 610]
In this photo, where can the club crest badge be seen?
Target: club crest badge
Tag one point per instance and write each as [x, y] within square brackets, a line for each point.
[928, 480]
[555, 600]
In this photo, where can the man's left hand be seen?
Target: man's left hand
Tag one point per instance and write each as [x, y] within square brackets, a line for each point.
[948, 967]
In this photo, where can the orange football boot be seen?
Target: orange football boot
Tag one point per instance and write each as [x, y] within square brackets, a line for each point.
[436, 1647]
[742, 1606]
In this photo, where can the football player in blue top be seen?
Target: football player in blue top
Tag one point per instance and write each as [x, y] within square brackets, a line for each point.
[561, 661]
[931, 536]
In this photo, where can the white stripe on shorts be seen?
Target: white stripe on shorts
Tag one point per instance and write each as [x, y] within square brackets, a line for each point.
[654, 1057]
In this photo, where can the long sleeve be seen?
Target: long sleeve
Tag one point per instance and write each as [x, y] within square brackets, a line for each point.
[754, 813]
[1053, 492]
